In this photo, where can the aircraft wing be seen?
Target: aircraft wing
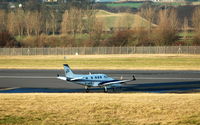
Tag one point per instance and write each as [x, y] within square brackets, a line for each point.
[117, 82]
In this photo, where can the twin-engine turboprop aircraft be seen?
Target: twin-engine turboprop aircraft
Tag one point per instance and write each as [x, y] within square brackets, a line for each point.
[92, 80]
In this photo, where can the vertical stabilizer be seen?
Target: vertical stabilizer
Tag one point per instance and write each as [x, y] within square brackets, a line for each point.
[68, 71]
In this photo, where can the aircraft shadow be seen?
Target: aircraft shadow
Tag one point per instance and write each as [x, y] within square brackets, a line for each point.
[168, 87]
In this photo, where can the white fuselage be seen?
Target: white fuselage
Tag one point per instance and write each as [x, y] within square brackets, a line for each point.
[92, 80]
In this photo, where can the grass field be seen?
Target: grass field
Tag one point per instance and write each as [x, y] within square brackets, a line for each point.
[138, 5]
[113, 20]
[133, 5]
[101, 109]
[129, 62]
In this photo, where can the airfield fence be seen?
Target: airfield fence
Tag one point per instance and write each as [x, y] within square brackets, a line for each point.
[102, 50]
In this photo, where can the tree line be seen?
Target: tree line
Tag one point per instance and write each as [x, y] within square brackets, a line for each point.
[80, 27]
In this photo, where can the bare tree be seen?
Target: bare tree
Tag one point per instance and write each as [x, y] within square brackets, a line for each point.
[167, 29]
[72, 21]
[196, 19]
[98, 32]
[185, 28]
[37, 24]
[149, 14]
[20, 22]
[28, 19]
[53, 21]
[65, 25]
[141, 34]
[2, 20]
[196, 24]
[15, 23]
[11, 23]
[89, 20]
[27, 23]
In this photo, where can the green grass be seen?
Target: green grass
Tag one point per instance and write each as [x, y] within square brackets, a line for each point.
[133, 5]
[138, 5]
[130, 62]
[190, 34]
[121, 19]
[11, 119]
[99, 109]
[171, 3]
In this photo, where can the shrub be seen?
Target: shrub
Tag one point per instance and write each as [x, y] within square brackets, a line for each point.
[196, 39]
[120, 38]
[48, 41]
[142, 37]
[7, 40]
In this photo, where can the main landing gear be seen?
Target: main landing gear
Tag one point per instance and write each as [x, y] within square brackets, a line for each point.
[86, 89]
[105, 89]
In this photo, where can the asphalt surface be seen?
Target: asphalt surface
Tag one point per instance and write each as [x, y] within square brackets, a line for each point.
[45, 80]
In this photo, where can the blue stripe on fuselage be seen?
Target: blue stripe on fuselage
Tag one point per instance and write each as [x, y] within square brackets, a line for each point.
[101, 82]
[104, 82]
[86, 80]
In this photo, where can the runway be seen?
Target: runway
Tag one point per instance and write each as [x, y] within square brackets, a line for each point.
[45, 80]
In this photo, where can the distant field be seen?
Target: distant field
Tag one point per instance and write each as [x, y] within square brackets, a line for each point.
[133, 5]
[100, 109]
[138, 5]
[113, 20]
[129, 62]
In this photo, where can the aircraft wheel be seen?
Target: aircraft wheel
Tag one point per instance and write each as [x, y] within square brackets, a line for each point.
[105, 89]
[86, 89]
[113, 89]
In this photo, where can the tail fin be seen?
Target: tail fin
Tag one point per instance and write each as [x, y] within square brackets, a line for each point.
[68, 71]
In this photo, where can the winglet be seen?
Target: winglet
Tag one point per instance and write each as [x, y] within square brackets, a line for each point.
[134, 77]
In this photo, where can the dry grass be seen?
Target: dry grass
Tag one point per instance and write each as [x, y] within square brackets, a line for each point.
[94, 108]
[128, 62]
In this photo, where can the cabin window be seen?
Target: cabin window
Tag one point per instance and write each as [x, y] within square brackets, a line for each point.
[95, 77]
[86, 77]
[100, 77]
[91, 77]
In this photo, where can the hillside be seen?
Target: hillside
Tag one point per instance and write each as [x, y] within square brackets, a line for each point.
[122, 20]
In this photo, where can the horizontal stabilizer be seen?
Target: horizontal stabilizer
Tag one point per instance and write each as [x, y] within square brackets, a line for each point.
[76, 79]
[61, 77]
